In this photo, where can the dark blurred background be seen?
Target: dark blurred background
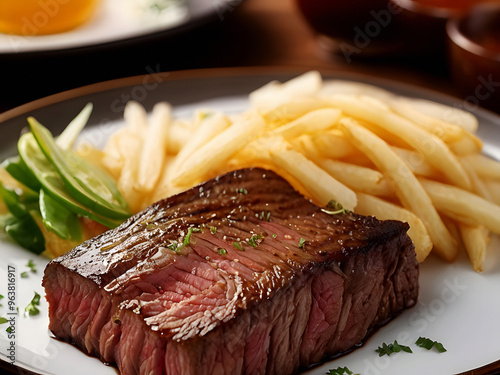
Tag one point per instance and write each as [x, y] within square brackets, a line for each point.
[248, 33]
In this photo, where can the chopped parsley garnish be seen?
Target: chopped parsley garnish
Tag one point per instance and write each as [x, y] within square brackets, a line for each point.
[265, 215]
[340, 371]
[9, 329]
[275, 235]
[253, 241]
[302, 242]
[3, 320]
[24, 274]
[333, 207]
[237, 246]
[175, 246]
[32, 308]
[242, 191]
[428, 344]
[222, 251]
[188, 235]
[213, 230]
[31, 265]
[392, 348]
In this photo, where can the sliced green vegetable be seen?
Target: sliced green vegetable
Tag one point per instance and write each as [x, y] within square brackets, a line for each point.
[52, 182]
[59, 219]
[19, 171]
[85, 182]
[67, 138]
[19, 224]
[3, 320]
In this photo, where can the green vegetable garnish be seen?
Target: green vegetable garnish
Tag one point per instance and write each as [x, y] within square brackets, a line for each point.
[85, 182]
[302, 242]
[428, 344]
[242, 191]
[16, 167]
[3, 320]
[221, 251]
[340, 371]
[333, 208]
[253, 241]
[31, 265]
[32, 308]
[175, 246]
[237, 246]
[51, 181]
[265, 215]
[392, 348]
[59, 219]
[24, 275]
[19, 224]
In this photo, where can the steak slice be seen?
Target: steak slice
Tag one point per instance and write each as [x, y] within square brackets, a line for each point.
[239, 275]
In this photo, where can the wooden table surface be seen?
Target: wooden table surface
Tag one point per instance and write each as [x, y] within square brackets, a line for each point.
[247, 33]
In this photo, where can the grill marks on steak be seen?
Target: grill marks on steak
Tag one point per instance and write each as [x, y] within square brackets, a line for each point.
[128, 296]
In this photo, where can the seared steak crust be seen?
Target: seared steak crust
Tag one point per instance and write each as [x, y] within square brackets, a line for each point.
[240, 275]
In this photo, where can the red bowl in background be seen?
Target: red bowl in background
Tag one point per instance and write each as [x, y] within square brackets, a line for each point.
[474, 46]
[422, 24]
[353, 28]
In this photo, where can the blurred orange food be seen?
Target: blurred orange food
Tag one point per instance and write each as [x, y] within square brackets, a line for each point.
[39, 17]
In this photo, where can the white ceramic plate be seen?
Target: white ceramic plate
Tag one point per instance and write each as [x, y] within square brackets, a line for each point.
[458, 307]
[118, 20]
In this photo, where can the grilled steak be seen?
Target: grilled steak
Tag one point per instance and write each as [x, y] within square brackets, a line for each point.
[240, 275]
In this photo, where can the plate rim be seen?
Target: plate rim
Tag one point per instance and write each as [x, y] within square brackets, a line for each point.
[242, 72]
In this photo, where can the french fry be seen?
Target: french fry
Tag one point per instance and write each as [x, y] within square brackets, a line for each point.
[208, 128]
[135, 116]
[215, 152]
[359, 178]
[493, 187]
[154, 149]
[333, 144]
[292, 109]
[463, 205]
[478, 185]
[320, 119]
[274, 94]
[448, 132]
[336, 86]
[476, 239]
[447, 113]
[319, 183]
[383, 210]
[431, 147]
[416, 162]
[484, 166]
[405, 184]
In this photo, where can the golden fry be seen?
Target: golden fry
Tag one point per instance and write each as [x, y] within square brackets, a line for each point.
[405, 184]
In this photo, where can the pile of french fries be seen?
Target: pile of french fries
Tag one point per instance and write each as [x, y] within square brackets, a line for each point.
[372, 151]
